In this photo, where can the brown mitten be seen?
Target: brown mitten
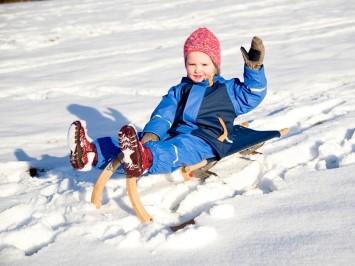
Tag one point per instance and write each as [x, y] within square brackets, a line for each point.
[255, 57]
[149, 137]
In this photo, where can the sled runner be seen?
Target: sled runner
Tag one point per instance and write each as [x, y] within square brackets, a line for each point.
[245, 141]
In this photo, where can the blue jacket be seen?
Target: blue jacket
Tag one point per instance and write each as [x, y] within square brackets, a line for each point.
[208, 112]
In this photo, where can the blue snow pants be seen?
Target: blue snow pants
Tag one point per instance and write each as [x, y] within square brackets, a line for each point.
[168, 154]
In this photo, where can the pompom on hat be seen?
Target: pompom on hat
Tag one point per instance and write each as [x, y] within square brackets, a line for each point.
[203, 40]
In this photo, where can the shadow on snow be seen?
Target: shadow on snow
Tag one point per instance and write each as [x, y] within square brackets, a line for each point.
[98, 125]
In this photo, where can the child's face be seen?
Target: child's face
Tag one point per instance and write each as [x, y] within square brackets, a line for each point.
[199, 67]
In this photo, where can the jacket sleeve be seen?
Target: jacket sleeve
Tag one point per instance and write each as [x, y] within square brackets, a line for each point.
[251, 92]
[164, 114]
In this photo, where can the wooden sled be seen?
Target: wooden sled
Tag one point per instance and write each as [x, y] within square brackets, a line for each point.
[131, 185]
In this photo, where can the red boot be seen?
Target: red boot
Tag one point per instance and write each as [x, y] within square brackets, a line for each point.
[83, 153]
[137, 159]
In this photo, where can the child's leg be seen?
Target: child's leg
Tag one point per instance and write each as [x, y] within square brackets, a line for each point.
[182, 150]
[107, 148]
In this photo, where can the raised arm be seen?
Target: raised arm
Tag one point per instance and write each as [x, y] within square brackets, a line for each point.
[251, 92]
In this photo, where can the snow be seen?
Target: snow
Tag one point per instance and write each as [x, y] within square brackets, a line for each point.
[108, 63]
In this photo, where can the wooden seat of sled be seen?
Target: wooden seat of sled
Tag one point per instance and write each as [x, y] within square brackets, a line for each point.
[187, 170]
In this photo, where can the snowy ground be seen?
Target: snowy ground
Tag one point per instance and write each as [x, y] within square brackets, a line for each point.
[109, 62]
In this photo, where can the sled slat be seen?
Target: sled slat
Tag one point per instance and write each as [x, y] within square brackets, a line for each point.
[102, 180]
[137, 205]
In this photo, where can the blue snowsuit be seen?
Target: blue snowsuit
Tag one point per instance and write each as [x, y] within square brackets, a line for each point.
[194, 121]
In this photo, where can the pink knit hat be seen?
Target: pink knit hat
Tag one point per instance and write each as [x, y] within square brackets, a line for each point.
[202, 40]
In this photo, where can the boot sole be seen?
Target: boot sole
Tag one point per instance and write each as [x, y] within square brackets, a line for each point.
[128, 141]
[74, 146]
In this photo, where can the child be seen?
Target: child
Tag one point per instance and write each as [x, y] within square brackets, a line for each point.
[192, 122]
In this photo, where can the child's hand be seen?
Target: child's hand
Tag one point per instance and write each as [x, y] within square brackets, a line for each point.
[149, 137]
[255, 57]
